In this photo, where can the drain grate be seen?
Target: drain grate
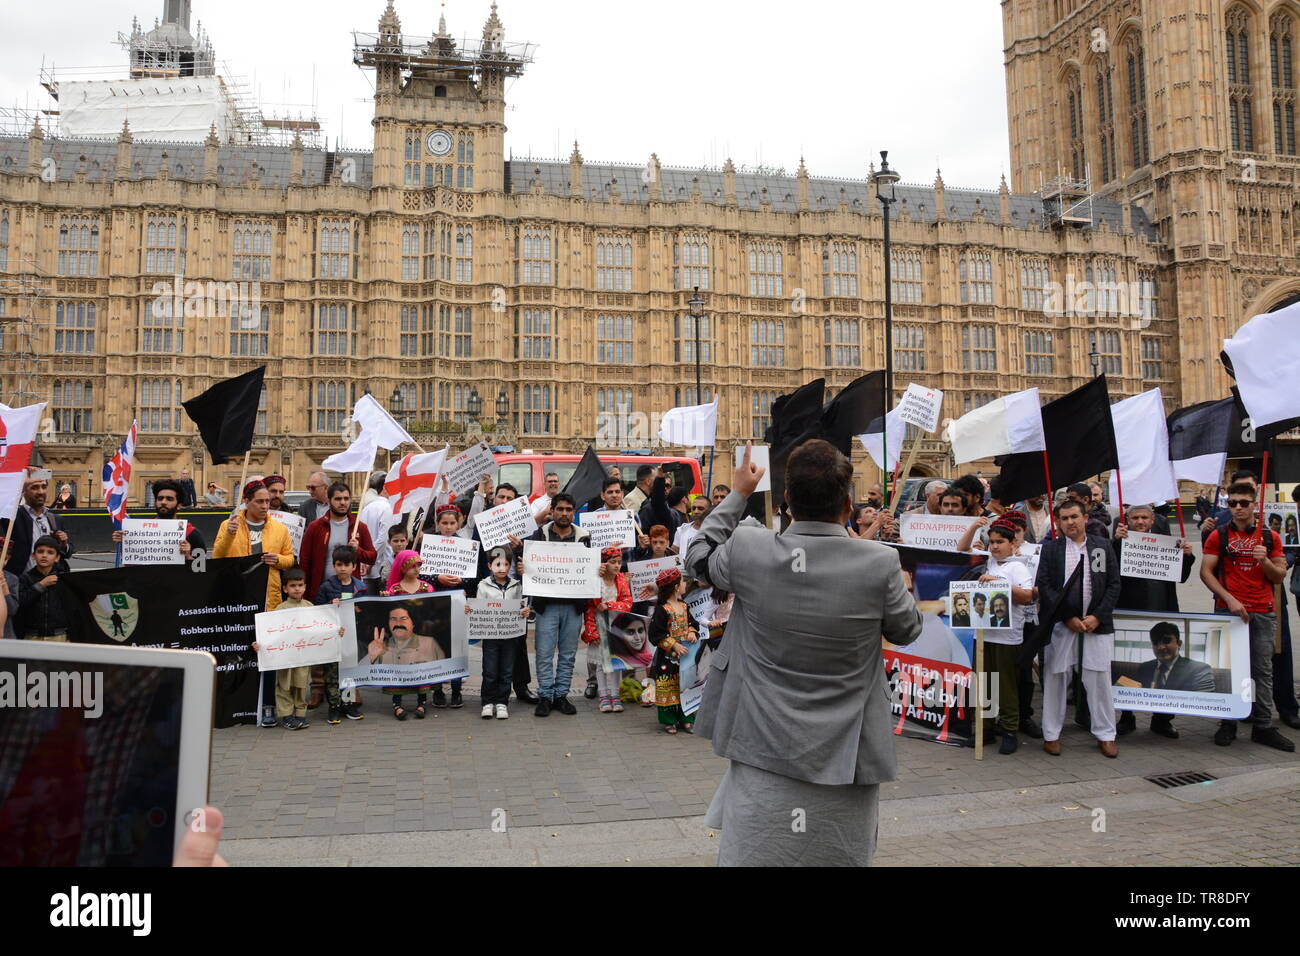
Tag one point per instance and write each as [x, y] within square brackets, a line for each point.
[1167, 780]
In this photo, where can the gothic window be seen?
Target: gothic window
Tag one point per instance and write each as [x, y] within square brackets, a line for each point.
[250, 330]
[840, 269]
[979, 348]
[160, 401]
[334, 329]
[1039, 353]
[841, 343]
[74, 327]
[975, 277]
[614, 263]
[1074, 104]
[1138, 134]
[78, 246]
[250, 251]
[1240, 92]
[684, 338]
[767, 343]
[74, 403]
[691, 262]
[534, 256]
[909, 348]
[1033, 280]
[905, 275]
[534, 334]
[766, 269]
[614, 339]
[1105, 122]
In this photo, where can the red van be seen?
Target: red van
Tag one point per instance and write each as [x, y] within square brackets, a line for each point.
[528, 472]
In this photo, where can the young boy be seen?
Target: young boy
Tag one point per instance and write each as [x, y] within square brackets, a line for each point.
[1002, 647]
[41, 612]
[448, 522]
[385, 552]
[499, 655]
[291, 682]
[341, 586]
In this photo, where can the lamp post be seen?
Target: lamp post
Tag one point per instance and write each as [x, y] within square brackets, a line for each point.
[696, 305]
[886, 178]
[1093, 355]
[474, 405]
[395, 403]
[503, 411]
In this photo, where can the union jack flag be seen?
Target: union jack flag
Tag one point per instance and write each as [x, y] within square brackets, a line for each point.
[117, 477]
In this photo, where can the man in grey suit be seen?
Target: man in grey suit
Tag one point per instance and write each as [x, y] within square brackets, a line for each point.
[797, 698]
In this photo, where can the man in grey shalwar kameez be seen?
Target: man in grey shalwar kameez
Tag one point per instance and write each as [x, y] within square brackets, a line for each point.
[797, 698]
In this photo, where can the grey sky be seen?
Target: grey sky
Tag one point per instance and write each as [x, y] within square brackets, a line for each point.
[694, 82]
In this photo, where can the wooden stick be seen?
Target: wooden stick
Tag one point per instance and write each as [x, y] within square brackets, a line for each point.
[977, 718]
[907, 468]
[4, 552]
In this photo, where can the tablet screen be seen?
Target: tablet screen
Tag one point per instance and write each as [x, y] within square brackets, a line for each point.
[89, 763]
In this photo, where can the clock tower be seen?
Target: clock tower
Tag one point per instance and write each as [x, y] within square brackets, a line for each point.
[440, 107]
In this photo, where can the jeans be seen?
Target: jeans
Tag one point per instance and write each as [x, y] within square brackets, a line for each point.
[1262, 627]
[498, 669]
[558, 627]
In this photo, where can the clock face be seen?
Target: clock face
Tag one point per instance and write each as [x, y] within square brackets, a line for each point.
[439, 142]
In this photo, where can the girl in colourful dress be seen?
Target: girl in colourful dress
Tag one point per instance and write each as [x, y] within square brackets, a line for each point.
[671, 629]
[615, 597]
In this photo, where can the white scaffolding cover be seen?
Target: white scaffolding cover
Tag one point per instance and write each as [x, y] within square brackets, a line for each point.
[172, 110]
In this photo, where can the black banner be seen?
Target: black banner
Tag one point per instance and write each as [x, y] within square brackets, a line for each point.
[173, 606]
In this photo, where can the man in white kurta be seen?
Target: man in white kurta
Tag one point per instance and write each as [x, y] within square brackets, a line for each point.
[1062, 657]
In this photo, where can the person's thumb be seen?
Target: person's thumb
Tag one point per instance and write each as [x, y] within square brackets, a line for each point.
[199, 847]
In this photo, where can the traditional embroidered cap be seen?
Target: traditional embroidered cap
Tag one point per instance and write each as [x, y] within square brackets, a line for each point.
[1003, 525]
[609, 554]
[274, 480]
[253, 487]
[1017, 518]
[443, 509]
[671, 576]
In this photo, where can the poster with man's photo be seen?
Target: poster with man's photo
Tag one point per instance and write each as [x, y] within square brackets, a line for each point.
[1195, 664]
[1280, 518]
[931, 682]
[404, 641]
[976, 605]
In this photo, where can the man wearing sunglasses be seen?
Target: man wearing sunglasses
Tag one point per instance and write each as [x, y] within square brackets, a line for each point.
[1242, 565]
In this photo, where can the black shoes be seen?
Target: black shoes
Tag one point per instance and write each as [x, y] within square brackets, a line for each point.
[439, 698]
[1010, 743]
[1030, 728]
[1126, 724]
[591, 691]
[563, 706]
[1165, 728]
[1291, 720]
[1270, 737]
[336, 716]
[352, 711]
[1226, 733]
[543, 708]
[456, 700]
[524, 696]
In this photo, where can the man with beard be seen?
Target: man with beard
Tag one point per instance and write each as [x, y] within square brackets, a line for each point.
[275, 485]
[34, 520]
[402, 645]
[166, 503]
[336, 527]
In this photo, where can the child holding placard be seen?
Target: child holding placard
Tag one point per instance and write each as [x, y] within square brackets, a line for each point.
[1002, 647]
[291, 682]
[671, 629]
[403, 580]
[339, 587]
[499, 655]
[615, 595]
[448, 522]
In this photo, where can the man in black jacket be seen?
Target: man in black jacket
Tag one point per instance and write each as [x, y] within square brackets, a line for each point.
[1078, 585]
[32, 521]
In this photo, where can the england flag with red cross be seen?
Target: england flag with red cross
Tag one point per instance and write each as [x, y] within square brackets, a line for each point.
[117, 477]
[411, 482]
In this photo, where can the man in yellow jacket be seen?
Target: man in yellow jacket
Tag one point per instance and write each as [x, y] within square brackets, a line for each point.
[252, 532]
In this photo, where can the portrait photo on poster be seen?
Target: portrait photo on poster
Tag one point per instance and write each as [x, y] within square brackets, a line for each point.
[629, 642]
[1195, 664]
[1280, 518]
[979, 605]
[405, 641]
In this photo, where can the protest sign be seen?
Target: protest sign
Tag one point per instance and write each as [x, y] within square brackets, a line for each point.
[978, 604]
[1157, 557]
[693, 673]
[759, 458]
[560, 569]
[642, 574]
[496, 525]
[932, 531]
[467, 469]
[1280, 518]
[296, 524]
[610, 529]
[171, 606]
[627, 642]
[404, 641]
[701, 605]
[453, 555]
[920, 407]
[490, 619]
[152, 540]
[1196, 664]
[297, 637]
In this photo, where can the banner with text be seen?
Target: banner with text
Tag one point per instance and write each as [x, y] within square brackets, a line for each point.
[641, 575]
[467, 469]
[1197, 664]
[296, 524]
[453, 555]
[298, 637]
[492, 620]
[933, 531]
[404, 641]
[497, 525]
[920, 406]
[610, 529]
[1157, 557]
[561, 570]
[152, 540]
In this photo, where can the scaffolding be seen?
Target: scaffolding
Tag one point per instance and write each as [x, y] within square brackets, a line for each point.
[24, 311]
[470, 58]
[1068, 201]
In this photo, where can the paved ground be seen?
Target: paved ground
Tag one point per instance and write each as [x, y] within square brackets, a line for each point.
[601, 789]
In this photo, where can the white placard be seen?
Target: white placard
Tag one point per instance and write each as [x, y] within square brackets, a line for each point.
[495, 620]
[920, 406]
[561, 570]
[152, 540]
[1156, 557]
[1280, 518]
[296, 525]
[453, 555]
[642, 574]
[972, 604]
[297, 637]
[467, 469]
[610, 529]
[933, 531]
[758, 457]
[702, 605]
[496, 525]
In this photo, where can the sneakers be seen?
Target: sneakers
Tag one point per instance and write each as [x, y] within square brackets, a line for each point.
[486, 712]
[303, 722]
[1226, 733]
[543, 708]
[353, 712]
[439, 698]
[502, 713]
[335, 717]
[294, 723]
[1271, 737]
[606, 705]
[268, 719]
[563, 706]
[1010, 743]
[456, 699]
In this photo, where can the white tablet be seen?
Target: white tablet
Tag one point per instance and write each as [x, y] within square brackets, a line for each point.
[104, 752]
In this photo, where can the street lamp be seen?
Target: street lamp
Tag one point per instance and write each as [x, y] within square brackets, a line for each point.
[696, 305]
[503, 410]
[887, 178]
[1093, 355]
[474, 405]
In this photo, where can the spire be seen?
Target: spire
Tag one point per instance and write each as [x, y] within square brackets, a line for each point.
[126, 136]
[212, 136]
[575, 171]
[729, 182]
[801, 197]
[442, 21]
[493, 31]
[938, 179]
[940, 207]
[389, 24]
[37, 132]
[1004, 202]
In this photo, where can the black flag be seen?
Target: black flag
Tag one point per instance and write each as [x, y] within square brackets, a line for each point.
[227, 414]
[1080, 438]
[586, 481]
[851, 412]
[795, 418]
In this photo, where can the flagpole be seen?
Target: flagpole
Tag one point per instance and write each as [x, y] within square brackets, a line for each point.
[1119, 486]
[1047, 473]
[4, 551]
[977, 718]
[1263, 492]
[1178, 507]
[907, 470]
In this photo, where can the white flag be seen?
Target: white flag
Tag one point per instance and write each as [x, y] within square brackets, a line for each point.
[359, 456]
[1203, 469]
[411, 482]
[695, 426]
[11, 490]
[873, 440]
[372, 417]
[1142, 442]
[1263, 351]
[1010, 425]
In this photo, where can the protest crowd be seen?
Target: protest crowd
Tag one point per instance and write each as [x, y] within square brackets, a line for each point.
[1042, 593]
